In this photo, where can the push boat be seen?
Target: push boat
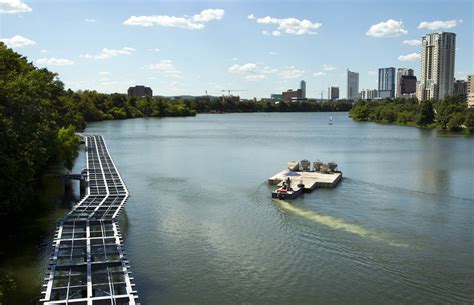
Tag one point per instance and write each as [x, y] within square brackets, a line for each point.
[287, 191]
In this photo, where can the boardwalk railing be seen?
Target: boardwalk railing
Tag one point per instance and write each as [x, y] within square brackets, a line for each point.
[87, 264]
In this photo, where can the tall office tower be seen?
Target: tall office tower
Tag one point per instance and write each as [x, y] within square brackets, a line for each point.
[333, 93]
[303, 88]
[352, 85]
[470, 91]
[386, 82]
[406, 82]
[437, 66]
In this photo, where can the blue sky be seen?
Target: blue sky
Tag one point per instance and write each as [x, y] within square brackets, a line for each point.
[264, 47]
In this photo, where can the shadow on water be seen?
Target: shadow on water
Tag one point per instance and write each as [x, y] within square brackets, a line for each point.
[24, 251]
[333, 222]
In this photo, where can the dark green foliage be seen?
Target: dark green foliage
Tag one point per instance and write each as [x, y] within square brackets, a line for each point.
[427, 114]
[449, 113]
[33, 108]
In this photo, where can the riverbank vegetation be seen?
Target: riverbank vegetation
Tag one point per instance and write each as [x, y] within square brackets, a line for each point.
[449, 114]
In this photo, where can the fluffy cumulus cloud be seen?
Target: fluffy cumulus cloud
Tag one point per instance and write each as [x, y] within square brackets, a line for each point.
[409, 57]
[290, 72]
[252, 71]
[13, 6]
[389, 28]
[17, 41]
[245, 68]
[54, 61]
[319, 74]
[166, 66]
[89, 20]
[327, 67]
[412, 42]
[437, 25]
[195, 22]
[289, 25]
[109, 53]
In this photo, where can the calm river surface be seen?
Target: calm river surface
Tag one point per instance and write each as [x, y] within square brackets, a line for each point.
[200, 226]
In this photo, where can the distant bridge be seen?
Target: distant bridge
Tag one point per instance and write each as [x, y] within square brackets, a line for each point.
[88, 265]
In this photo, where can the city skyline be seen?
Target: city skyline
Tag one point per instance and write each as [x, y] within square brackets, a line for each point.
[189, 48]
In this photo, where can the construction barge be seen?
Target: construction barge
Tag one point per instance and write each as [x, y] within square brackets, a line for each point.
[301, 177]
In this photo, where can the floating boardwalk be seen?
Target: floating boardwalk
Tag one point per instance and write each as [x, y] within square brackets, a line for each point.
[88, 265]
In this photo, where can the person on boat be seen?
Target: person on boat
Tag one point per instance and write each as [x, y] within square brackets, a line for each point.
[288, 184]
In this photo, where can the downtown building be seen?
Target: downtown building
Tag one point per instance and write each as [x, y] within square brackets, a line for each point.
[406, 83]
[437, 66]
[386, 87]
[352, 85]
[140, 91]
[333, 93]
[369, 94]
[470, 91]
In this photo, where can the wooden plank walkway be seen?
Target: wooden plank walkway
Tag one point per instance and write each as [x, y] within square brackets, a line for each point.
[88, 265]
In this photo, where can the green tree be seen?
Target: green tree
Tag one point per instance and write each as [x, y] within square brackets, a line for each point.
[427, 114]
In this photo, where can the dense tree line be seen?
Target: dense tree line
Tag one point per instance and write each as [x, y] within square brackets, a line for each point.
[449, 113]
[36, 128]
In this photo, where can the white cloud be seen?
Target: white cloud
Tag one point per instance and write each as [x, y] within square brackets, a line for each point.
[245, 68]
[166, 66]
[251, 17]
[44, 51]
[327, 67]
[105, 73]
[54, 61]
[154, 50]
[290, 72]
[266, 33]
[268, 70]
[409, 57]
[109, 53]
[318, 74]
[389, 28]
[412, 42]
[272, 53]
[195, 22]
[235, 58]
[17, 41]
[13, 6]
[290, 25]
[255, 77]
[89, 20]
[438, 24]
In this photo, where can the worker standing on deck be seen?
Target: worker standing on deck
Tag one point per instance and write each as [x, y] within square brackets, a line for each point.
[288, 184]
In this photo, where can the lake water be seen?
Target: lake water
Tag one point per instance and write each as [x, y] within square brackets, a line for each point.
[200, 226]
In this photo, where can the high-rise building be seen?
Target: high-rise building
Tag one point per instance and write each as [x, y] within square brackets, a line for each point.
[352, 85]
[406, 82]
[437, 66]
[333, 93]
[387, 82]
[368, 94]
[470, 91]
[140, 91]
[460, 89]
[303, 88]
